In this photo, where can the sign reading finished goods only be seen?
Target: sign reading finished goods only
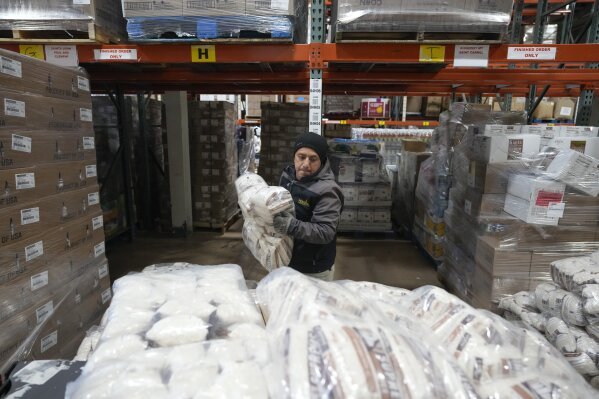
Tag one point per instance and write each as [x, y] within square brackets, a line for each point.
[531, 53]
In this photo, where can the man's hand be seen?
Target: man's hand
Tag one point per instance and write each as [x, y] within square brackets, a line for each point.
[282, 221]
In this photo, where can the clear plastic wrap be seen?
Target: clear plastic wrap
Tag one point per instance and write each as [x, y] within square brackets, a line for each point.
[64, 15]
[259, 203]
[416, 16]
[196, 326]
[392, 139]
[363, 340]
[239, 19]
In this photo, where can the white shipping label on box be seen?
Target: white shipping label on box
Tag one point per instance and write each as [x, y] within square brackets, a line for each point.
[49, 341]
[97, 222]
[471, 55]
[62, 55]
[81, 2]
[579, 131]
[93, 198]
[85, 114]
[106, 295]
[14, 108]
[11, 67]
[90, 171]
[39, 280]
[315, 119]
[89, 143]
[531, 53]
[30, 215]
[116, 54]
[44, 311]
[556, 209]
[83, 83]
[565, 111]
[99, 249]
[21, 143]
[34, 250]
[103, 271]
[25, 180]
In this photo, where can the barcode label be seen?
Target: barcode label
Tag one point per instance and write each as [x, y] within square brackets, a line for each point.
[90, 171]
[99, 249]
[85, 114]
[14, 108]
[89, 143]
[25, 180]
[34, 251]
[103, 271]
[39, 280]
[21, 143]
[106, 295]
[97, 222]
[93, 198]
[83, 83]
[30, 215]
[49, 341]
[10, 67]
[44, 311]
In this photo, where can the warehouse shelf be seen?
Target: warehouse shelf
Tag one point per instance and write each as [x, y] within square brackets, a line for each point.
[348, 68]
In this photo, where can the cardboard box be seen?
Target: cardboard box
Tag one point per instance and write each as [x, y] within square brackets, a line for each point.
[499, 130]
[350, 193]
[417, 146]
[585, 145]
[535, 200]
[349, 215]
[497, 149]
[381, 215]
[143, 8]
[575, 169]
[544, 110]
[546, 132]
[488, 178]
[564, 108]
[375, 108]
[365, 215]
[580, 209]
[414, 105]
[346, 167]
[498, 261]
[518, 104]
[579, 131]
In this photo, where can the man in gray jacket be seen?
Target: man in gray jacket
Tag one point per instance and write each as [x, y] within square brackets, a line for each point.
[318, 203]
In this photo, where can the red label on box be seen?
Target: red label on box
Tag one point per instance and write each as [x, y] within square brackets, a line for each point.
[546, 197]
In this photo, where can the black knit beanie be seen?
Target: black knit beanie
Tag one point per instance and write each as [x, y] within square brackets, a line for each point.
[313, 141]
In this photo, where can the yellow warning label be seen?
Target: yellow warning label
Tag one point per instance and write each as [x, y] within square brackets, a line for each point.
[203, 54]
[32, 50]
[343, 122]
[381, 123]
[432, 53]
[426, 123]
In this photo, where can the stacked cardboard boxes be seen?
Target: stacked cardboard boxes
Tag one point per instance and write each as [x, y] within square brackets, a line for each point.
[359, 171]
[281, 124]
[508, 217]
[213, 156]
[52, 263]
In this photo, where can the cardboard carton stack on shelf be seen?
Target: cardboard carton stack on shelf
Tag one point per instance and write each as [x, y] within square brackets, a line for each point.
[281, 124]
[513, 209]
[359, 170]
[394, 140]
[92, 19]
[213, 157]
[183, 19]
[53, 273]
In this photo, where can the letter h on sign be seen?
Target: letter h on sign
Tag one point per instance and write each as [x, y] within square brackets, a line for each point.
[203, 53]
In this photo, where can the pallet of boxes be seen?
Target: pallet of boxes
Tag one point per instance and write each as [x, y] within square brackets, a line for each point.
[54, 281]
[359, 170]
[281, 124]
[213, 157]
[516, 205]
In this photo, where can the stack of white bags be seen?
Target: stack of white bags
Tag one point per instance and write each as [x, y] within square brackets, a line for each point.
[178, 331]
[259, 203]
[566, 311]
[170, 334]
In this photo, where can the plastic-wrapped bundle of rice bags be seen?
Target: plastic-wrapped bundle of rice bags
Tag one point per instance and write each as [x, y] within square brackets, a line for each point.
[502, 360]
[259, 203]
[329, 342]
[522, 306]
[573, 274]
[554, 301]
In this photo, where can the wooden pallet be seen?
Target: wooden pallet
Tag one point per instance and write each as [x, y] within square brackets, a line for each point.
[418, 37]
[218, 227]
[91, 33]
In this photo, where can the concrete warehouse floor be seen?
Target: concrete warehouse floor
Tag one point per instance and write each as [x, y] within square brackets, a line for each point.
[393, 262]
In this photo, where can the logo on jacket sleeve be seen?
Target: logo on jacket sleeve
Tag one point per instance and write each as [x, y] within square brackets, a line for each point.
[303, 202]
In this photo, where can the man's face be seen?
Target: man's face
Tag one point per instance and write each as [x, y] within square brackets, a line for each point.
[306, 161]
